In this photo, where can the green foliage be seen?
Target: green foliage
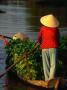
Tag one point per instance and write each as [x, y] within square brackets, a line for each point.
[63, 43]
[28, 67]
[62, 55]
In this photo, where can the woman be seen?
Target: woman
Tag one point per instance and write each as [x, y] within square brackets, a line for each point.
[48, 39]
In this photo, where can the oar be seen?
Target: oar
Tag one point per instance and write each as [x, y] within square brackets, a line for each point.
[19, 59]
[7, 37]
[3, 36]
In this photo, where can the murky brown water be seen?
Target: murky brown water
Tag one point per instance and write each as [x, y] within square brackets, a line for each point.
[24, 16]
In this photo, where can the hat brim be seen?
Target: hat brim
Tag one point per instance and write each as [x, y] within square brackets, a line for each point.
[49, 21]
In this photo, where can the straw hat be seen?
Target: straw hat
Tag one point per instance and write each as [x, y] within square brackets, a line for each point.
[20, 35]
[49, 21]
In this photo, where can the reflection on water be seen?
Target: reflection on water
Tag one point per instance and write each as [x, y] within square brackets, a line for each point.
[24, 17]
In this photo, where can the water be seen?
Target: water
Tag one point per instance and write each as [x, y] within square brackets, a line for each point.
[24, 17]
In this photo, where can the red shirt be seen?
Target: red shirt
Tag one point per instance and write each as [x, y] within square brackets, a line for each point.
[47, 37]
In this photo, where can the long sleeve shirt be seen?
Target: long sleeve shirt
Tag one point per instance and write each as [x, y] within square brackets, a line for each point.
[48, 37]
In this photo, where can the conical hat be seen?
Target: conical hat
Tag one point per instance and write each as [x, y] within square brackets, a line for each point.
[49, 21]
[20, 35]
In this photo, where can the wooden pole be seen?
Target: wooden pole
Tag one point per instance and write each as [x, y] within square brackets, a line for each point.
[19, 59]
[2, 36]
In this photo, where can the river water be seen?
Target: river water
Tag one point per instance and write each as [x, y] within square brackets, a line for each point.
[24, 17]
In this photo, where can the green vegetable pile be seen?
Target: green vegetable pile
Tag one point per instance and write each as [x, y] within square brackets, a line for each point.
[31, 66]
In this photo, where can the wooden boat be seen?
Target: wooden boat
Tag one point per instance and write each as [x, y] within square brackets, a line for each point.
[41, 84]
[52, 84]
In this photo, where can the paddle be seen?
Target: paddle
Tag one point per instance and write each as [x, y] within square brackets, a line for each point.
[26, 54]
[2, 36]
[7, 37]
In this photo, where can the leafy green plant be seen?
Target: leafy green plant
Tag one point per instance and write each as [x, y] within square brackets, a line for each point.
[28, 67]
